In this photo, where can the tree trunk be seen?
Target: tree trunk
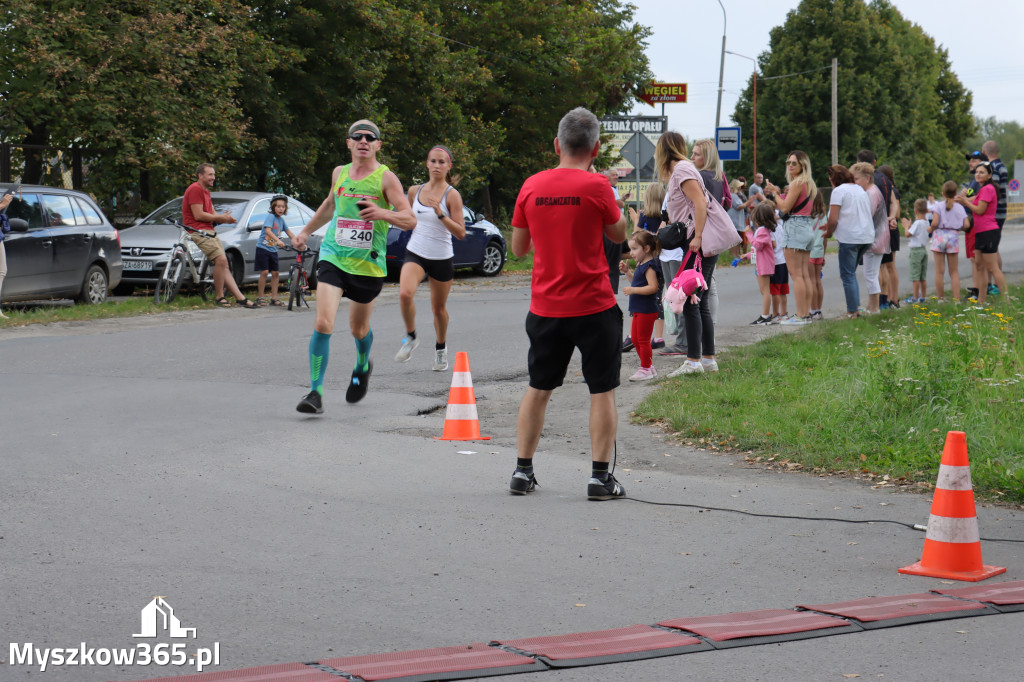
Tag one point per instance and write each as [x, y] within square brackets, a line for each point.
[35, 154]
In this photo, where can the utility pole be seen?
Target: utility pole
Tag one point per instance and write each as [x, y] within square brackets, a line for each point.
[721, 70]
[835, 111]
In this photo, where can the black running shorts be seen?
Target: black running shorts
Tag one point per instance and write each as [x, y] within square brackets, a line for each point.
[987, 241]
[439, 270]
[358, 288]
[553, 339]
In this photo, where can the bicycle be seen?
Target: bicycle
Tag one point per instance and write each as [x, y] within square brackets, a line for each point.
[185, 255]
[298, 280]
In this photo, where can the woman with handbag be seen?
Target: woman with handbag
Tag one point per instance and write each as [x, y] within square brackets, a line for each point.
[687, 205]
[796, 206]
[864, 175]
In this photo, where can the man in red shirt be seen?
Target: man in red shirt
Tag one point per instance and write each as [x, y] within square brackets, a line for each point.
[563, 214]
[197, 212]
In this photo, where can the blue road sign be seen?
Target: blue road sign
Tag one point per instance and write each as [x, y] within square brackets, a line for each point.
[728, 142]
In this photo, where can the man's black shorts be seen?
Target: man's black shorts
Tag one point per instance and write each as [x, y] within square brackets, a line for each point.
[987, 241]
[440, 270]
[358, 288]
[553, 339]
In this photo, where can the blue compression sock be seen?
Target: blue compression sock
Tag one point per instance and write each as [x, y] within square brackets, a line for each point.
[319, 352]
[363, 351]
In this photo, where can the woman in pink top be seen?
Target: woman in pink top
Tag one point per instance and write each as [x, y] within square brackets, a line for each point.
[986, 231]
[685, 202]
[798, 229]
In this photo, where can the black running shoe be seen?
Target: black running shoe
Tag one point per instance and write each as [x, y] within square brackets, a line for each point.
[522, 483]
[311, 404]
[608, 489]
[627, 345]
[357, 387]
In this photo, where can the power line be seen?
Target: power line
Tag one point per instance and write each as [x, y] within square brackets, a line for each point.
[790, 75]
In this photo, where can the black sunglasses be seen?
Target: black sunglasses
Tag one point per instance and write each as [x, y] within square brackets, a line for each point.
[366, 137]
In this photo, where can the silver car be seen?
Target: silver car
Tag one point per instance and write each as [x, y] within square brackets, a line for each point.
[145, 246]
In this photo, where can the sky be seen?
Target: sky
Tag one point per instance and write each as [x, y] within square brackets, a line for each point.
[686, 47]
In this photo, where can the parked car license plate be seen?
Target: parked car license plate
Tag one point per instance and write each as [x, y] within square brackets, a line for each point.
[137, 264]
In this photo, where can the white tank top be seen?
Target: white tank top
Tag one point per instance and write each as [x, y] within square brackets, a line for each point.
[430, 238]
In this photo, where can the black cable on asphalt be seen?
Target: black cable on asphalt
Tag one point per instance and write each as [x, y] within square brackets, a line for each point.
[911, 526]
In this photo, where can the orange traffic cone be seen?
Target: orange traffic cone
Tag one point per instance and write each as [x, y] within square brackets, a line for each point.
[460, 420]
[952, 546]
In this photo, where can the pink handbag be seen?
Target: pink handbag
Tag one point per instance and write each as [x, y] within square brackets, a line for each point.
[685, 287]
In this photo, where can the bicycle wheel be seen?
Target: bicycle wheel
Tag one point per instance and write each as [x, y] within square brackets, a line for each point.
[206, 280]
[294, 286]
[169, 284]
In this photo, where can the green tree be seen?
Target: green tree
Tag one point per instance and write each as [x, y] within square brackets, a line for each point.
[342, 61]
[1009, 135]
[545, 58]
[146, 85]
[897, 95]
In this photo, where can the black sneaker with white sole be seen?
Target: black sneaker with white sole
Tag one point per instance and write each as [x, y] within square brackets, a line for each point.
[607, 489]
[360, 382]
[311, 404]
[522, 483]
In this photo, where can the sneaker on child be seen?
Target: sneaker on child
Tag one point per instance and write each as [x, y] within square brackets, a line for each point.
[644, 374]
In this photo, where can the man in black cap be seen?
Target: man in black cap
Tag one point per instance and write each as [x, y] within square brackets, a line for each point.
[365, 198]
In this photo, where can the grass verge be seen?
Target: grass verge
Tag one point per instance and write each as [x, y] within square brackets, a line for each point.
[872, 397]
[513, 264]
[21, 314]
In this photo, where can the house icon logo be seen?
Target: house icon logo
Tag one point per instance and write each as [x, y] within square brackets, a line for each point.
[158, 615]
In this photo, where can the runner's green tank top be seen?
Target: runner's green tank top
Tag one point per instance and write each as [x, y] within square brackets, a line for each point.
[357, 246]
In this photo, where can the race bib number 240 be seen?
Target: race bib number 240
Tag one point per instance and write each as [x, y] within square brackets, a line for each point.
[354, 234]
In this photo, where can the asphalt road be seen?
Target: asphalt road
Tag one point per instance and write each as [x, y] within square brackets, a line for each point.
[163, 456]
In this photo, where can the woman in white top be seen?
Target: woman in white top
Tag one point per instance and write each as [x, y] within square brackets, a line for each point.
[850, 221]
[438, 209]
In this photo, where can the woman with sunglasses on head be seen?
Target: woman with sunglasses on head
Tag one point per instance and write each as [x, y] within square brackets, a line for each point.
[438, 208]
[366, 197]
[797, 204]
[986, 231]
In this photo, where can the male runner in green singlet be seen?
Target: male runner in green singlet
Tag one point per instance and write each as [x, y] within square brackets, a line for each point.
[365, 197]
